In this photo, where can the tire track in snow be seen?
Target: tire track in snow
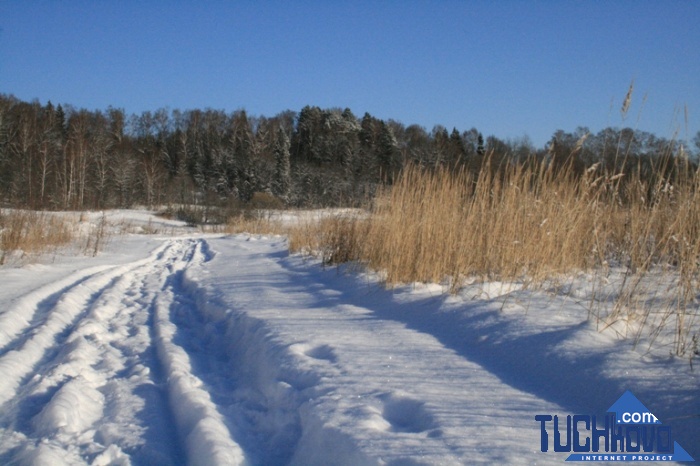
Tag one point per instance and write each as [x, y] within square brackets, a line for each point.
[32, 309]
[73, 357]
[91, 383]
[266, 388]
[257, 394]
[200, 425]
[42, 342]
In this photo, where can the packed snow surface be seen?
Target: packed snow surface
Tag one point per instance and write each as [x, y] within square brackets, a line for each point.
[209, 350]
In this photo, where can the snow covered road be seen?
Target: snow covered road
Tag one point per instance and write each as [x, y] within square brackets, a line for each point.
[225, 350]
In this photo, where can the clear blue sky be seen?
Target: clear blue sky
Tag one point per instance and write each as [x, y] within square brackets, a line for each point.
[508, 68]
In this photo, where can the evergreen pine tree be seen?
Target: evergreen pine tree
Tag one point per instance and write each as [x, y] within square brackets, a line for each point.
[61, 123]
[242, 142]
[282, 182]
[480, 145]
[387, 152]
[457, 151]
[366, 134]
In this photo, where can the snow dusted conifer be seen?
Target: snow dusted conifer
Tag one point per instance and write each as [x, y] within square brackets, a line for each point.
[388, 152]
[282, 181]
[480, 150]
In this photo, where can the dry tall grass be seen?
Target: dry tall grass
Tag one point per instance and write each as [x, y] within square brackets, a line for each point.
[335, 239]
[29, 232]
[530, 222]
[25, 233]
[250, 223]
[522, 223]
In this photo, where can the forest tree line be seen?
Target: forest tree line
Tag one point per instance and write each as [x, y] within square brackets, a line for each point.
[55, 157]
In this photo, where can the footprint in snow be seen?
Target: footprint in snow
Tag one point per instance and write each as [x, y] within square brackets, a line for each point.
[322, 352]
[406, 414]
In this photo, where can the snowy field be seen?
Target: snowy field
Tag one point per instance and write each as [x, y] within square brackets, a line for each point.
[178, 348]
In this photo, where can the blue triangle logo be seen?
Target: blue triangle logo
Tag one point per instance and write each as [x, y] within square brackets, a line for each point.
[629, 410]
[679, 454]
[633, 428]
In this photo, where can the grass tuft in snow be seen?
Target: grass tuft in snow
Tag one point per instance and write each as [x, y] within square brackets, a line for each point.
[335, 239]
